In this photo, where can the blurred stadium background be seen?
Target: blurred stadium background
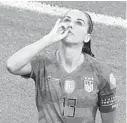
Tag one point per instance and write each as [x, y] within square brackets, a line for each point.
[19, 28]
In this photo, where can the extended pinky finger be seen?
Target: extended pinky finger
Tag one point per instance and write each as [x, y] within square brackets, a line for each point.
[58, 21]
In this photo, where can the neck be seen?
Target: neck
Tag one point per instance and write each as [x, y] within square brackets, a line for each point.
[70, 54]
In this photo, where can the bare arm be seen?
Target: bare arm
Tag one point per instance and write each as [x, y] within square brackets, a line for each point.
[19, 63]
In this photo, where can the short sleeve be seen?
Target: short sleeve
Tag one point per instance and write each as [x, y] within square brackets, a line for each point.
[37, 64]
[107, 91]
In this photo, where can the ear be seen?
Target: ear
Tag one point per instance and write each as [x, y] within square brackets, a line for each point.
[87, 38]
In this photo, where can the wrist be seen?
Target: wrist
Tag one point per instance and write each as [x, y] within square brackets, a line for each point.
[48, 38]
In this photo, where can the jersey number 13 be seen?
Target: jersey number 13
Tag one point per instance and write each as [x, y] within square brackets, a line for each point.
[69, 106]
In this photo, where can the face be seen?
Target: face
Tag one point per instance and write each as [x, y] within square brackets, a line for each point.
[77, 24]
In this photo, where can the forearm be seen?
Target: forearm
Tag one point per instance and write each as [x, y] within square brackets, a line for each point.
[23, 56]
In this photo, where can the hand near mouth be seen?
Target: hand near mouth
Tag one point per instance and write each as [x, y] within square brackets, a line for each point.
[58, 32]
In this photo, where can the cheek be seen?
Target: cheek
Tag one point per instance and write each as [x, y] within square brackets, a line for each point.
[80, 33]
[81, 30]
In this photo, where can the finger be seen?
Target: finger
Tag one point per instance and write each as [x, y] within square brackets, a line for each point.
[58, 21]
[62, 27]
[65, 33]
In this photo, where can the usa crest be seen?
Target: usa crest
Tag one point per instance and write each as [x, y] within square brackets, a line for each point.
[69, 86]
[88, 84]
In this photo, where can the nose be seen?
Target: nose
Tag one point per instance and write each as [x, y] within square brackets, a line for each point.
[67, 25]
[70, 25]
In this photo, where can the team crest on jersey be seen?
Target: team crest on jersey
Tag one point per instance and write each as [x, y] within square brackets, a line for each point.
[88, 84]
[69, 86]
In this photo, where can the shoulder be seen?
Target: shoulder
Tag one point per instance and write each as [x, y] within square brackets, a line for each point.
[96, 64]
[104, 73]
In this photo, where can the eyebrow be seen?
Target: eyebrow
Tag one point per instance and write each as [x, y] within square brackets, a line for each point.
[67, 16]
[81, 20]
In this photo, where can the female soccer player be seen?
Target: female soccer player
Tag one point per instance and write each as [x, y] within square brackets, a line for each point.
[70, 84]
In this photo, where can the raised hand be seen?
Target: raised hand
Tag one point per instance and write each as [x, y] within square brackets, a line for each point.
[58, 32]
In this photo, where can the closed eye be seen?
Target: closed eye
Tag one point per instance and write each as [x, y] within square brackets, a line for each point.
[66, 20]
[79, 23]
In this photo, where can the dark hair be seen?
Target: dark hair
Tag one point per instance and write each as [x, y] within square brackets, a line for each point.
[87, 46]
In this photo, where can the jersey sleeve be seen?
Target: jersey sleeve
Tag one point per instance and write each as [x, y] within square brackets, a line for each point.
[107, 91]
[37, 64]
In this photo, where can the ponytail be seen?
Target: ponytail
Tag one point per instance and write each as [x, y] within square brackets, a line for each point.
[87, 48]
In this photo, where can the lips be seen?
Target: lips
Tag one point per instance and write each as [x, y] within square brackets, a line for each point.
[70, 32]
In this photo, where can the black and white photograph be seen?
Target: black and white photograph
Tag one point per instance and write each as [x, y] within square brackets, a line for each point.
[63, 61]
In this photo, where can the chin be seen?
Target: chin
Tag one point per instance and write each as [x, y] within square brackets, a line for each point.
[69, 39]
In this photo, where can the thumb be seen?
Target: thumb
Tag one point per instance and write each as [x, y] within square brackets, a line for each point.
[65, 33]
